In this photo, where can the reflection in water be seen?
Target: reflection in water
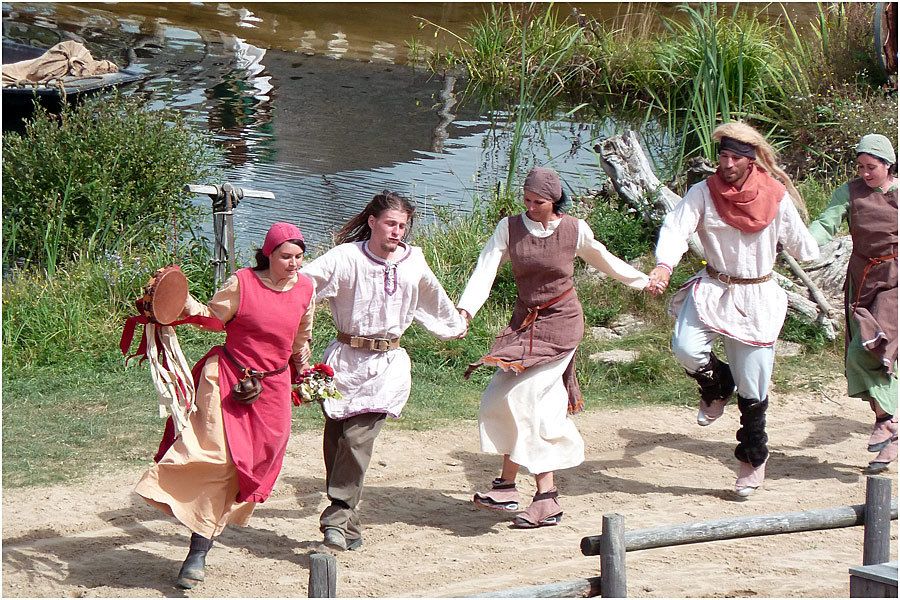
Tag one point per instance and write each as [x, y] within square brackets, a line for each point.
[324, 135]
[448, 101]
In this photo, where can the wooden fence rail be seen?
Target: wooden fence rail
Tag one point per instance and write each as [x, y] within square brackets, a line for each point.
[737, 527]
[612, 544]
[576, 588]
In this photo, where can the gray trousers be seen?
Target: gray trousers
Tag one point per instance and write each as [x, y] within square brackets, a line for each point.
[692, 341]
[347, 445]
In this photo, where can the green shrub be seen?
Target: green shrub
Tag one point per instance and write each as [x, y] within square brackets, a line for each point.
[623, 233]
[817, 192]
[104, 171]
[795, 330]
[824, 128]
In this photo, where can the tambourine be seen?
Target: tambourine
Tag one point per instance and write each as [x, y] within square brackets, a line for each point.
[164, 295]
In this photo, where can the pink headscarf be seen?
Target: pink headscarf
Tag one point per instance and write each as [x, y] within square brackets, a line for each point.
[278, 234]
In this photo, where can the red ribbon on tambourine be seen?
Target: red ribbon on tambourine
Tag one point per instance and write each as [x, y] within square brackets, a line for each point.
[162, 303]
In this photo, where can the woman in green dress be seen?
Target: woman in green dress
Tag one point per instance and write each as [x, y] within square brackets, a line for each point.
[869, 204]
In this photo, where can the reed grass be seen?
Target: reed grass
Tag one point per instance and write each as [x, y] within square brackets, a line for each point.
[690, 73]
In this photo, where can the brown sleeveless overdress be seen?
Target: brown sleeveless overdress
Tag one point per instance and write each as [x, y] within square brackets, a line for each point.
[547, 321]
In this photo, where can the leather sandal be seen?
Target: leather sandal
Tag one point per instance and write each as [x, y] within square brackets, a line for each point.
[544, 511]
[883, 433]
[883, 460]
[503, 496]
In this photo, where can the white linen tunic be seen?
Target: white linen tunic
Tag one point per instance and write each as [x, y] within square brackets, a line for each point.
[750, 313]
[524, 414]
[373, 297]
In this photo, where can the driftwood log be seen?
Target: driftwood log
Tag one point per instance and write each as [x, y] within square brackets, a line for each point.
[623, 160]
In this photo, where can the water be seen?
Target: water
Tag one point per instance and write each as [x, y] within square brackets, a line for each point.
[314, 102]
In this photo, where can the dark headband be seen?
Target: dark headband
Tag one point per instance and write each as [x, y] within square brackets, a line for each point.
[739, 148]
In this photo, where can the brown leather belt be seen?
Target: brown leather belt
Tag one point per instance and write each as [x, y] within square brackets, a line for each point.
[871, 261]
[532, 316]
[729, 280]
[248, 372]
[368, 343]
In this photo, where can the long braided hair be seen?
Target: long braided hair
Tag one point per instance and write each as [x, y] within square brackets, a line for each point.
[765, 158]
[357, 229]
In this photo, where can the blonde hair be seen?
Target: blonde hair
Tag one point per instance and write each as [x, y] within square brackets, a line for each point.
[765, 158]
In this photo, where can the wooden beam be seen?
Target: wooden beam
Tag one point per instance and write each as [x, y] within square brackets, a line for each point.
[738, 527]
[576, 588]
[322, 576]
[612, 557]
[212, 190]
[877, 532]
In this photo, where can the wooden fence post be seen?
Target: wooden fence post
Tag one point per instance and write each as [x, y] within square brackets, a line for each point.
[225, 199]
[612, 557]
[877, 528]
[322, 576]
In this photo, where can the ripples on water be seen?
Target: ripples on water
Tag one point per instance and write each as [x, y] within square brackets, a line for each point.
[323, 134]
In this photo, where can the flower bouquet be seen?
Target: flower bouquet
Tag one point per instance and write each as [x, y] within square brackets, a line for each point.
[315, 384]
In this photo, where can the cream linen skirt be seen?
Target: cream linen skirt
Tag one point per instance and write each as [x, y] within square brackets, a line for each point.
[196, 481]
[525, 416]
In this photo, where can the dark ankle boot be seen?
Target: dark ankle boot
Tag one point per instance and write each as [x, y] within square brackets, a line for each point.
[193, 569]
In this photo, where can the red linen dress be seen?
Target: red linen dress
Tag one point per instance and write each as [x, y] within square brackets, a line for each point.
[231, 455]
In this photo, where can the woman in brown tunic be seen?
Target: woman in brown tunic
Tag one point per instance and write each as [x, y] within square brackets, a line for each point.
[869, 203]
[523, 413]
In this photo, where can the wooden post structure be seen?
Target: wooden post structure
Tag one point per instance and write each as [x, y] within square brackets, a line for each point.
[322, 576]
[739, 527]
[225, 199]
[877, 528]
[612, 557]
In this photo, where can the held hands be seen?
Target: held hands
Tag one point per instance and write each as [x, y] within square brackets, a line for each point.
[465, 315]
[659, 280]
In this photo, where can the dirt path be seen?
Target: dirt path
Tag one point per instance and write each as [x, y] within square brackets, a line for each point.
[423, 538]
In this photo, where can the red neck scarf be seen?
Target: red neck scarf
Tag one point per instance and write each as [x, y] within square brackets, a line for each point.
[750, 208]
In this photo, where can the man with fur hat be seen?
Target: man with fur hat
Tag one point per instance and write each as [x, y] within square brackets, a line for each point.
[741, 214]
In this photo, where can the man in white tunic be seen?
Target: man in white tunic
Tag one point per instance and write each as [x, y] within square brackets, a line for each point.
[376, 286]
[741, 214]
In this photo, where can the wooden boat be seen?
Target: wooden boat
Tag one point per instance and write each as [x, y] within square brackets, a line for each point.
[18, 100]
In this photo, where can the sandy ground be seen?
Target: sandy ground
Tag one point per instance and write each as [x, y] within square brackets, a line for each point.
[423, 537]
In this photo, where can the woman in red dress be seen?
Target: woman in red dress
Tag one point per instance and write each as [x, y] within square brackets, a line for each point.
[227, 460]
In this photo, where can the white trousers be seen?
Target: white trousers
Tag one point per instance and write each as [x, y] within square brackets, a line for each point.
[526, 416]
[751, 366]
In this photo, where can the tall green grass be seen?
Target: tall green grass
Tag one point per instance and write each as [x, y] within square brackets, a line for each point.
[716, 68]
[81, 307]
[809, 86]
